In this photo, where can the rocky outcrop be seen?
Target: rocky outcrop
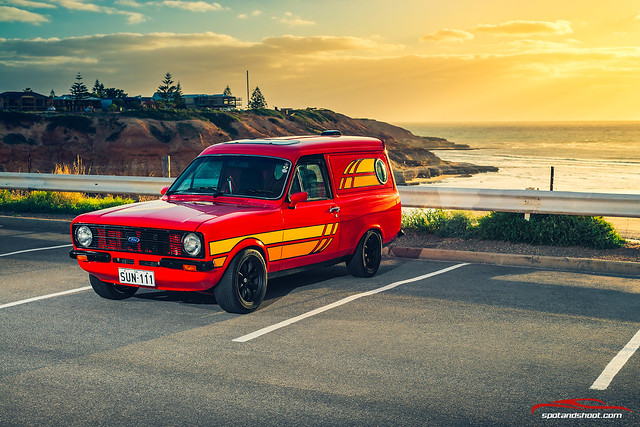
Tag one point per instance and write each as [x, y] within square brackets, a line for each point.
[134, 143]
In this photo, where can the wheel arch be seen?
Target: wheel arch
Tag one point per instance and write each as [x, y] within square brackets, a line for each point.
[249, 243]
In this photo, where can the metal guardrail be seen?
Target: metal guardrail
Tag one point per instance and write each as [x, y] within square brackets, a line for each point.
[525, 201]
[104, 184]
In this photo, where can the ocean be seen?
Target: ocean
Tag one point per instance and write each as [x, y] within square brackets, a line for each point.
[594, 157]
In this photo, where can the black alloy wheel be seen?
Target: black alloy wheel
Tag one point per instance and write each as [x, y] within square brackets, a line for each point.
[367, 256]
[244, 283]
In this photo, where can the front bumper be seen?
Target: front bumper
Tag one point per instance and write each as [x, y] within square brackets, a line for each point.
[170, 273]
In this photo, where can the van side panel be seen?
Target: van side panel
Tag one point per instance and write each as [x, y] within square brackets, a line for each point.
[365, 191]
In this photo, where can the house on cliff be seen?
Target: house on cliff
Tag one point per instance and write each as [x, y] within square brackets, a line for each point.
[202, 101]
[24, 101]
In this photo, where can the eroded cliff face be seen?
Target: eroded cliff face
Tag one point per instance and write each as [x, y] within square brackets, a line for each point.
[115, 144]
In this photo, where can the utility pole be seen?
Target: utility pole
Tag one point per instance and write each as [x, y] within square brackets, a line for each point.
[247, 104]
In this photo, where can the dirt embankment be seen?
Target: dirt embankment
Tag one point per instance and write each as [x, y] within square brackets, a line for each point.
[118, 144]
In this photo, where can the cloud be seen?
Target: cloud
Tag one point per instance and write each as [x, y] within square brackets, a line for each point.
[31, 4]
[132, 17]
[526, 28]
[129, 3]
[447, 35]
[293, 21]
[253, 14]
[13, 14]
[193, 6]
[318, 44]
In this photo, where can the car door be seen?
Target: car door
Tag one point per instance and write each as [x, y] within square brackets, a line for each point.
[311, 227]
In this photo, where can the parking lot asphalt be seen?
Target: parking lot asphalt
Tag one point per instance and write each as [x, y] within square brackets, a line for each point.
[421, 343]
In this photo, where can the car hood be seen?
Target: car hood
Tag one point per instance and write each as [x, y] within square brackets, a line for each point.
[176, 215]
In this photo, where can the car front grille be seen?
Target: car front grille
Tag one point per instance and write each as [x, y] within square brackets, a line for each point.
[137, 240]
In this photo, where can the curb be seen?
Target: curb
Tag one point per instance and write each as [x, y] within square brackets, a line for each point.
[626, 268]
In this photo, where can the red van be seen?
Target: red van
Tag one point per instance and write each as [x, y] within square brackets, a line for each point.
[243, 211]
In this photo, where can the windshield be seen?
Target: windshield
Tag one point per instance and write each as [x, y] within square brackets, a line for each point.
[241, 176]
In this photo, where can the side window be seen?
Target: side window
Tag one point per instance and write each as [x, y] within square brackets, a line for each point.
[311, 177]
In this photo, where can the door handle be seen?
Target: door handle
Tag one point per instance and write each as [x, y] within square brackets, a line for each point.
[334, 209]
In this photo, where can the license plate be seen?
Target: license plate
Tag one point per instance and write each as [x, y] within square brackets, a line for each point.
[136, 277]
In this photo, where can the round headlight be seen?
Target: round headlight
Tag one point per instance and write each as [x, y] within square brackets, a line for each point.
[191, 244]
[84, 236]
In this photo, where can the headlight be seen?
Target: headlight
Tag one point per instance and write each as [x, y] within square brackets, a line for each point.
[84, 236]
[191, 244]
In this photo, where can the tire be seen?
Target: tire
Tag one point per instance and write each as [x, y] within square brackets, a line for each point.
[111, 291]
[244, 283]
[367, 256]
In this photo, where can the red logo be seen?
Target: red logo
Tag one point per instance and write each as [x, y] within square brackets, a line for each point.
[575, 404]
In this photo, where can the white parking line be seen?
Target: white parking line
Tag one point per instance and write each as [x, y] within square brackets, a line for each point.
[605, 378]
[57, 294]
[343, 301]
[36, 249]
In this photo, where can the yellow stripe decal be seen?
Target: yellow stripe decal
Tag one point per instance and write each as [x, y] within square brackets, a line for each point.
[275, 253]
[366, 181]
[366, 165]
[298, 249]
[303, 233]
[275, 237]
[224, 246]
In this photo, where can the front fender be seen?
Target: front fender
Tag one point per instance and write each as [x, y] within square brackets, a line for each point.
[249, 242]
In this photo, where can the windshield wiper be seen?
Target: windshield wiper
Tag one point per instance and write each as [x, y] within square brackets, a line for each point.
[199, 190]
[255, 192]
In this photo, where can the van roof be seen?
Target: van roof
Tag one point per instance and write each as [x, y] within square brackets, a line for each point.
[295, 146]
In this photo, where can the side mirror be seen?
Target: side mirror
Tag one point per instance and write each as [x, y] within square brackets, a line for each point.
[296, 198]
[163, 191]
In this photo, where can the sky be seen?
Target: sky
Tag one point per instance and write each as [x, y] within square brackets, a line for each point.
[397, 61]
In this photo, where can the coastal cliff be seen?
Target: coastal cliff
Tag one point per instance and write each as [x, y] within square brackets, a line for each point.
[134, 143]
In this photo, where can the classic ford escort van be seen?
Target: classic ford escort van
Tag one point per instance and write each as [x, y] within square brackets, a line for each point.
[243, 211]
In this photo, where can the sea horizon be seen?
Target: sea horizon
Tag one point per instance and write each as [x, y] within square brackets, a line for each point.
[587, 156]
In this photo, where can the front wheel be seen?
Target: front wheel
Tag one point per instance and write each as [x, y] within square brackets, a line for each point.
[244, 283]
[111, 291]
[366, 259]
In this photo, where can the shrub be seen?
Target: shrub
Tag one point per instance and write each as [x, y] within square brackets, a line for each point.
[266, 112]
[554, 230]
[79, 123]
[165, 135]
[168, 115]
[439, 222]
[15, 118]
[222, 120]
[17, 138]
[506, 226]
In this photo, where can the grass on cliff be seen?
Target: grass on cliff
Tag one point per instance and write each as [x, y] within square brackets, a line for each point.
[550, 230]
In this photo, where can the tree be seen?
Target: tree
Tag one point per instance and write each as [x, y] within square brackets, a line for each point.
[166, 89]
[79, 90]
[257, 100]
[227, 91]
[98, 89]
[114, 93]
[27, 90]
[178, 101]
[52, 94]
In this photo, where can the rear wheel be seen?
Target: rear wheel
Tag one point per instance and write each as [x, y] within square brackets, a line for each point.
[366, 259]
[244, 284]
[111, 291]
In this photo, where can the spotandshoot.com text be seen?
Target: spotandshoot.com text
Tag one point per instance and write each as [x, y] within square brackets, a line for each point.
[584, 415]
